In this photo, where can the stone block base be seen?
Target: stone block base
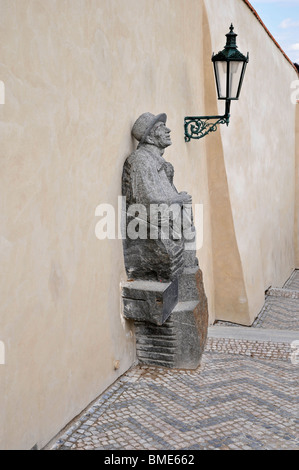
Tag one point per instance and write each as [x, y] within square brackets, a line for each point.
[171, 319]
[149, 301]
[179, 342]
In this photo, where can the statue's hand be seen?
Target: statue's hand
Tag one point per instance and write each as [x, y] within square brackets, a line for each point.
[185, 197]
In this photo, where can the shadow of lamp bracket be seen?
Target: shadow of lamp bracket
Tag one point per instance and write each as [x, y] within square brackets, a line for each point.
[229, 69]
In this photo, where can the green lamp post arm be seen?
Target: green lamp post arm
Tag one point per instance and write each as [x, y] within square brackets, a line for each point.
[197, 127]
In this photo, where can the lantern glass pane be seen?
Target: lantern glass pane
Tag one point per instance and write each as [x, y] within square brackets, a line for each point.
[221, 78]
[235, 71]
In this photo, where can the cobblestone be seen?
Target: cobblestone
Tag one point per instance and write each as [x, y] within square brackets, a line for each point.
[279, 313]
[244, 396]
[231, 401]
[293, 281]
[281, 308]
[261, 349]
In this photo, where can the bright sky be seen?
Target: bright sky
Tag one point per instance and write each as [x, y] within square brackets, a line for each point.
[281, 17]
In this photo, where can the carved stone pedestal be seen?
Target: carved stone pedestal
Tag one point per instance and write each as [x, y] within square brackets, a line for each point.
[170, 325]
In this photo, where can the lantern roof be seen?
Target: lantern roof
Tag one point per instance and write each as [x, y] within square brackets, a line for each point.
[230, 51]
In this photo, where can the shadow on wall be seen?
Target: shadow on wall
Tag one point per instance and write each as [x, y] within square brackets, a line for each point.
[227, 268]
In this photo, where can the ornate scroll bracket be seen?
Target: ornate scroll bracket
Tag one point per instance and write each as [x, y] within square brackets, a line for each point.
[197, 127]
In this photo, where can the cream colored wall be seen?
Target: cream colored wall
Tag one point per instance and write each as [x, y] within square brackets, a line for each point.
[252, 167]
[77, 74]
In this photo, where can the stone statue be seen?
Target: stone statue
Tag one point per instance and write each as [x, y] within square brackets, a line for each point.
[148, 181]
[164, 294]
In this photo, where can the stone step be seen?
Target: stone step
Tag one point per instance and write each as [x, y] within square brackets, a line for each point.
[150, 301]
[283, 292]
[259, 343]
[184, 307]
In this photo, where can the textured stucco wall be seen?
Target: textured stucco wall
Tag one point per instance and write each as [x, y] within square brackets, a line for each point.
[251, 175]
[77, 74]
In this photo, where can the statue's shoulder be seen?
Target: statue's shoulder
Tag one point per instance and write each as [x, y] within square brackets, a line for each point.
[129, 160]
[139, 159]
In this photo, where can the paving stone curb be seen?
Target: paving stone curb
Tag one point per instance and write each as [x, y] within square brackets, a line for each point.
[259, 349]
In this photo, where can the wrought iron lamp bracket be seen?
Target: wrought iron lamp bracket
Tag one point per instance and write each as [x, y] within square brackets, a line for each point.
[197, 127]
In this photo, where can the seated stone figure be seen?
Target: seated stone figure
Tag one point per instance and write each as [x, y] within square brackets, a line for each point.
[148, 181]
[164, 295]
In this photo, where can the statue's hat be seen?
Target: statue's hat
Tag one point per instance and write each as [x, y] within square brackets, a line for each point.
[144, 125]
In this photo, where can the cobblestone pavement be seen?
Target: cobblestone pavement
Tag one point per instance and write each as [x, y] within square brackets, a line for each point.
[243, 396]
[293, 281]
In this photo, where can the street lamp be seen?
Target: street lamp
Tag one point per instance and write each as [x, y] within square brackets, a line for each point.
[229, 67]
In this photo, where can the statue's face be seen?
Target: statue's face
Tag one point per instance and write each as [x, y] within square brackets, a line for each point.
[161, 135]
